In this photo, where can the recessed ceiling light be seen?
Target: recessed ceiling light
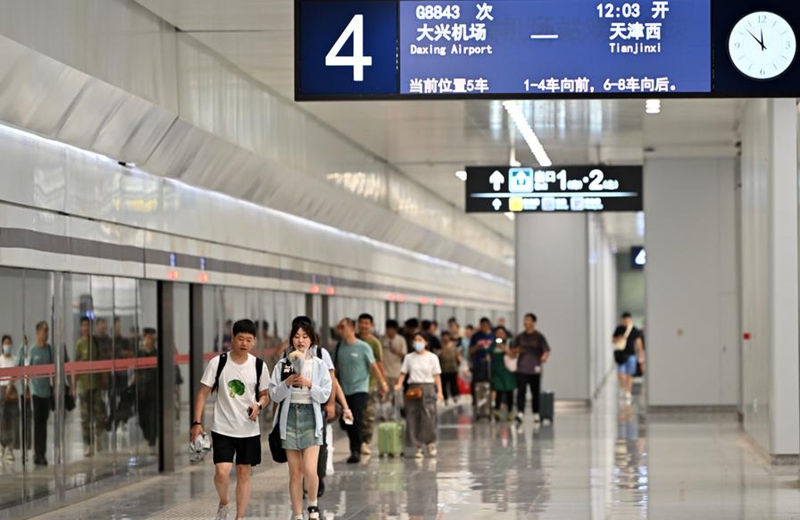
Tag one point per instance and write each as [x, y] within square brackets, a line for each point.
[462, 175]
[653, 106]
[510, 216]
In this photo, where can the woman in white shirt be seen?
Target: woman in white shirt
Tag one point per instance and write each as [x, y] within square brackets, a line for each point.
[9, 404]
[301, 395]
[424, 390]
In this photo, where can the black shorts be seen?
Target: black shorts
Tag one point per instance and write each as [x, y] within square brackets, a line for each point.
[246, 449]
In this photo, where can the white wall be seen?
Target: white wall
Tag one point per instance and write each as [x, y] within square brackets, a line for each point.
[602, 303]
[552, 282]
[692, 333]
[769, 264]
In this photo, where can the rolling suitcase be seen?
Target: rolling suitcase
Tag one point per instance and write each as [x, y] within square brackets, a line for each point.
[392, 434]
[547, 406]
[483, 400]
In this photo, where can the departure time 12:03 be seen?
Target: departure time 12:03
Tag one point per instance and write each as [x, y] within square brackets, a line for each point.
[608, 10]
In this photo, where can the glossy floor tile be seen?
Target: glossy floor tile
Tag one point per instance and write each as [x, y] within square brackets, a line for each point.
[613, 462]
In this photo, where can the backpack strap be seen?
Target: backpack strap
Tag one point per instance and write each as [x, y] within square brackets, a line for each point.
[336, 356]
[259, 371]
[223, 358]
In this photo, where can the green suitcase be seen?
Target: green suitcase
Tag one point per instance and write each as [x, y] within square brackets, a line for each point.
[391, 438]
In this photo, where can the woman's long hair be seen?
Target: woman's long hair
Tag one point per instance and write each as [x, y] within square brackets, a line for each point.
[305, 327]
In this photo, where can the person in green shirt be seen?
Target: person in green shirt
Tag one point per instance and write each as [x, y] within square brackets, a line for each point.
[503, 381]
[90, 390]
[366, 325]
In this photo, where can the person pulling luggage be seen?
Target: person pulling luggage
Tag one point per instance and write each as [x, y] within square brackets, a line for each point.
[423, 371]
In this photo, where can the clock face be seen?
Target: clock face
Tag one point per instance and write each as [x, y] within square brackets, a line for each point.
[762, 45]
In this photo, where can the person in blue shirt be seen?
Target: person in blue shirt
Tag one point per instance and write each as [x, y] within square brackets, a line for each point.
[38, 389]
[354, 361]
[479, 354]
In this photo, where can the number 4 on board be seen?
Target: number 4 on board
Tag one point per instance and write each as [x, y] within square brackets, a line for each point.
[358, 61]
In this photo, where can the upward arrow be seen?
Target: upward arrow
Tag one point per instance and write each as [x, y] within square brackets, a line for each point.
[497, 180]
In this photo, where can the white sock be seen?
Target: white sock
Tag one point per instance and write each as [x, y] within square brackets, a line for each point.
[315, 503]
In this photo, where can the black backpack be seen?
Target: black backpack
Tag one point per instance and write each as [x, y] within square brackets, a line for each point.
[223, 358]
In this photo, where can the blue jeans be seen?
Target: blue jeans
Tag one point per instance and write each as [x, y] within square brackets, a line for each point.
[629, 366]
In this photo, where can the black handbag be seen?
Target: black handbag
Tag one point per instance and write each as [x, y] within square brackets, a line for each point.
[275, 443]
[69, 401]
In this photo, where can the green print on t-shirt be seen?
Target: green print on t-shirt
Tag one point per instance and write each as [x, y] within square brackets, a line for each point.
[236, 387]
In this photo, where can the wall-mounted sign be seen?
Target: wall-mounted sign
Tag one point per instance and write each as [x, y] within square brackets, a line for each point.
[416, 49]
[558, 189]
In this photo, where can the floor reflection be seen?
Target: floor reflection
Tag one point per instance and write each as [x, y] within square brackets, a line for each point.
[613, 461]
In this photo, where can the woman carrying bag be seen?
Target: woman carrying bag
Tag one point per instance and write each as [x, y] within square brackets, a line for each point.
[424, 390]
[301, 384]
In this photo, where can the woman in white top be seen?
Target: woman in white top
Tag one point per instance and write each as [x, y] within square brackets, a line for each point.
[424, 390]
[9, 404]
[301, 388]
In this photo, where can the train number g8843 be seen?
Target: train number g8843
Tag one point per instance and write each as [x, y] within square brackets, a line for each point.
[438, 12]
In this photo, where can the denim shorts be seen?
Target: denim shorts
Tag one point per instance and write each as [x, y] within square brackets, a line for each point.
[629, 366]
[301, 428]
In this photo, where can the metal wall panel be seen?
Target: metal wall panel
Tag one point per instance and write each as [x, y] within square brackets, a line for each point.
[117, 41]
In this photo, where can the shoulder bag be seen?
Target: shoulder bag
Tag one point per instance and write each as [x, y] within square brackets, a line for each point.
[275, 443]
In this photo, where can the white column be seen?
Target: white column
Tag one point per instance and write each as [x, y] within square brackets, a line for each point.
[691, 333]
[552, 282]
[783, 279]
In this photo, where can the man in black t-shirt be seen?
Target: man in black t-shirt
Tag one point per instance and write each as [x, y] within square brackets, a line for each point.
[532, 351]
[632, 355]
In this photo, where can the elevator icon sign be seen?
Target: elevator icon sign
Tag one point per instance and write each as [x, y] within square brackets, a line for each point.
[520, 180]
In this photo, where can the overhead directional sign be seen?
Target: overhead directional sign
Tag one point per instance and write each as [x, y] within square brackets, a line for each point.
[496, 179]
[417, 49]
[582, 188]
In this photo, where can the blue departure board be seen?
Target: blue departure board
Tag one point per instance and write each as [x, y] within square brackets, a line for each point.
[555, 47]
[462, 49]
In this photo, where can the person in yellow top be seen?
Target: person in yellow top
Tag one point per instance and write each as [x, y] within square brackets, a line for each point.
[90, 388]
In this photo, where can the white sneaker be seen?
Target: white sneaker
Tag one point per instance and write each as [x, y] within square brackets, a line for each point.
[365, 449]
[419, 455]
[222, 512]
[537, 419]
[520, 417]
[432, 450]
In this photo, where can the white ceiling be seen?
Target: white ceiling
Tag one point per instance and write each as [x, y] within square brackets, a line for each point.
[430, 141]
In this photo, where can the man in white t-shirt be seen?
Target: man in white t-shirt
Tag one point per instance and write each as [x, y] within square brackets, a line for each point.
[235, 428]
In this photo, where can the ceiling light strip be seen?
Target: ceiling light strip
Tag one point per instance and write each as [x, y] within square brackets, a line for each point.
[515, 112]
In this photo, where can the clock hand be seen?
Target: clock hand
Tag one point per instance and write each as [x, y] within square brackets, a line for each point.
[756, 39]
[763, 47]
